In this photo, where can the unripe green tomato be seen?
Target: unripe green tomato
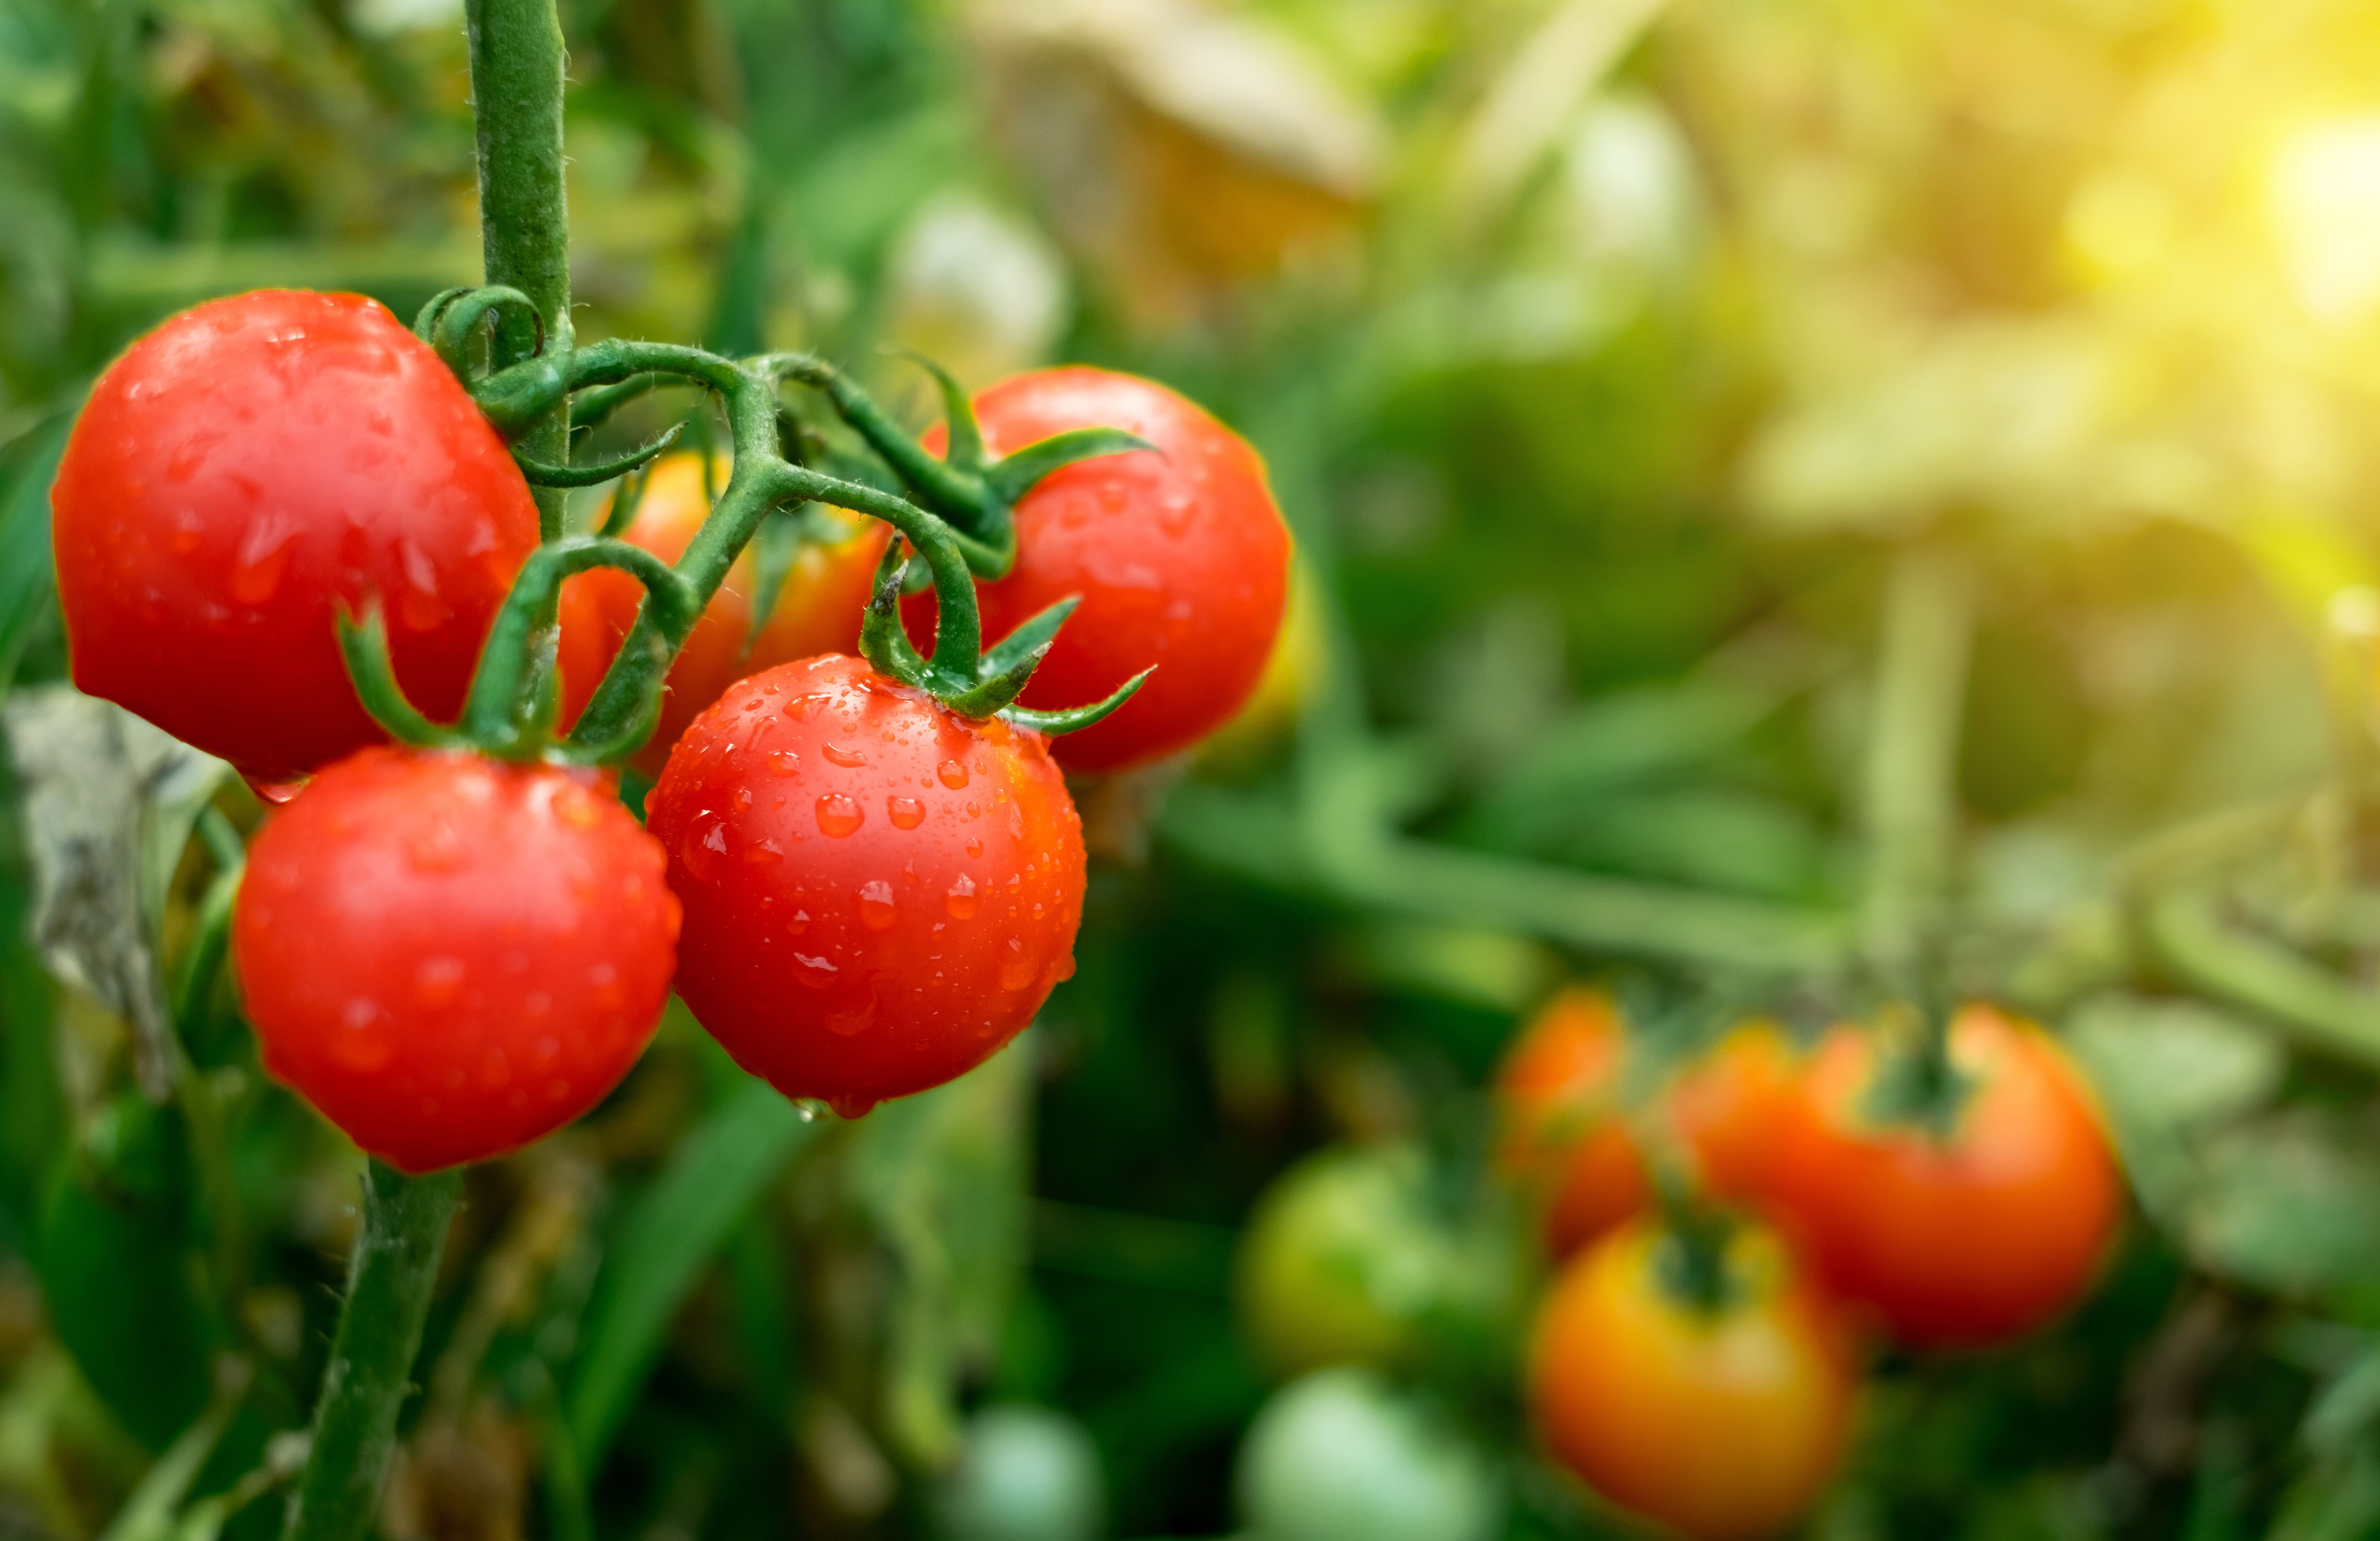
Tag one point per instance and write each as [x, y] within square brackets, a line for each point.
[1341, 1456]
[1026, 1473]
[1346, 1261]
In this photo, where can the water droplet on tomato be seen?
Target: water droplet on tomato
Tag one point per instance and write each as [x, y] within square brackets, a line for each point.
[763, 853]
[837, 754]
[952, 773]
[960, 900]
[815, 973]
[907, 812]
[275, 793]
[1018, 972]
[436, 981]
[1175, 510]
[801, 709]
[852, 1105]
[975, 845]
[263, 556]
[1060, 971]
[785, 762]
[854, 1017]
[876, 906]
[799, 924]
[838, 815]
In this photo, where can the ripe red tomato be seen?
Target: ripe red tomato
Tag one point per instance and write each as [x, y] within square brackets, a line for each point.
[1567, 1136]
[242, 471]
[1180, 558]
[1719, 1423]
[818, 611]
[879, 894]
[450, 956]
[1967, 1238]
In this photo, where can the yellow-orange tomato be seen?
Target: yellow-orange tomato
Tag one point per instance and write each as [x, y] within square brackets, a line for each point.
[1718, 1423]
[1964, 1237]
[1566, 1137]
[818, 611]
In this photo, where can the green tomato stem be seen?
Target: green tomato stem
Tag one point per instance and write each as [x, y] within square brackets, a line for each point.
[389, 1278]
[516, 74]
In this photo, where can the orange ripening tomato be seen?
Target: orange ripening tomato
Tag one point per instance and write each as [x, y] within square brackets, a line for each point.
[1720, 1421]
[1564, 1139]
[1969, 1237]
[818, 611]
[1567, 1138]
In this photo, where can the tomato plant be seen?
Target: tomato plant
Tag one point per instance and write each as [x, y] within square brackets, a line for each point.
[1711, 1394]
[815, 609]
[1970, 1231]
[243, 472]
[1179, 556]
[450, 957]
[879, 892]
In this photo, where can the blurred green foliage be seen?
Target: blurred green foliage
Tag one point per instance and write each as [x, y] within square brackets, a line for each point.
[1608, 358]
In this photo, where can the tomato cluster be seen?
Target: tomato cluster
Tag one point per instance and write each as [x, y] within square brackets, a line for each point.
[1960, 1210]
[453, 946]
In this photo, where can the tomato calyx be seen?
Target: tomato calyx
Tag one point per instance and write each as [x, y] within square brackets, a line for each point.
[976, 491]
[970, 683]
[1915, 1082]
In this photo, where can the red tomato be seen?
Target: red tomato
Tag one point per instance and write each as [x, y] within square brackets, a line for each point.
[1968, 1237]
[449, 956]
[1564, 1131]
[242, 471]
[1180, 558]
[878, 893]
[1718, 1423]
[1567, 1136]
[818, 611]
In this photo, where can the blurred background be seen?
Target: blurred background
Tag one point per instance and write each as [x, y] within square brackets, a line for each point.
[1609, 356]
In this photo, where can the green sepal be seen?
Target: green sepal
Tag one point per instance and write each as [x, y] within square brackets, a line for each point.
[543, 474]
[1012, 475]
[1033, 638]
[363, 643]
[965, 451]
[883, 641]
[1076, 719]
[997, 690]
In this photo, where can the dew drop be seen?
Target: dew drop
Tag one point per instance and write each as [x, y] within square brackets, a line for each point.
[852, 1105]
[799, 924]
[436, 981]
[974, 847]
[876, 906]
[1175, 510]
[838, 815]
[952, 773]
[848, 1021]
[263, 556]
[907, 812]
[1017, 971]
[801, 709]
[275, 793]
[762, 854]
[814, 973]
[743, 798]
[837, 754]
[785, 762]
[960, 900]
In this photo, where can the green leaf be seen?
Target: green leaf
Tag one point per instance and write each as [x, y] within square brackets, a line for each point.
[2289, 1203]
[118, 1275]
[28, 582]
[664, 1239]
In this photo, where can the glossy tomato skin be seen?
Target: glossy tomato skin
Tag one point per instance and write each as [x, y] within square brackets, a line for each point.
[1180, 558]
[241, 472]
[449, 956]
[1958, 1242]
[878, 893]
[818, 611]
[1719, 1426]
[1567, 1137]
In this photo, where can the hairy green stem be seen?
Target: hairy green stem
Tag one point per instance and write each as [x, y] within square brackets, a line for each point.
[516, 74]
[395, 1262]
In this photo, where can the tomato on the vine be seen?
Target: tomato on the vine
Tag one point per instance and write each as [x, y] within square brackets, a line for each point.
[242, 472]
[817, 609]
[1719, 1418]
[1962, 1236]
[450, 956]
[879, 894]
[1569, 1140]
[1180, 558]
